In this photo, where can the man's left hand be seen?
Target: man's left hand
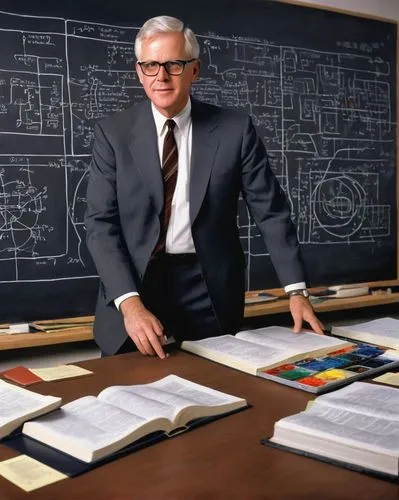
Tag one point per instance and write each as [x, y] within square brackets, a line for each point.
[302, 310]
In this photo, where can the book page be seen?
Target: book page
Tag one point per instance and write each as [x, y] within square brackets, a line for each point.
[193, 393]
[90, 420]
[16, 402]
[392, 354]
[144, 401]
[164, 398]
[236, 352]
[384, 327]
[89, 429]
[284, 338]
[361, 397]
[344, 426]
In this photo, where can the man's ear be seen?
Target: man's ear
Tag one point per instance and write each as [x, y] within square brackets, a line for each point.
[139, 73]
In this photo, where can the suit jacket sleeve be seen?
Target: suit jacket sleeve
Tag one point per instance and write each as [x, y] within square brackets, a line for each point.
[269, 208]
[104, 235]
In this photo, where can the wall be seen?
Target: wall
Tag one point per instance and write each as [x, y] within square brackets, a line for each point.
[380, 8]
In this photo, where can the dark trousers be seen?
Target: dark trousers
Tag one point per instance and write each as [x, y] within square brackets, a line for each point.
[174, 290]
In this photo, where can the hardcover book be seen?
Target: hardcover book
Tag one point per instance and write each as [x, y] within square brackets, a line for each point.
[355, 427]
[91, 428]
[254, 351]
[382, 331]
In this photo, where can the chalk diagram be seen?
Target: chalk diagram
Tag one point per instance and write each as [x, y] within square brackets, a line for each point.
[325, 118]
[21, 204]
[326, 121]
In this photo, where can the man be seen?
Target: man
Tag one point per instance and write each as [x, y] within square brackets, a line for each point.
[162, 205]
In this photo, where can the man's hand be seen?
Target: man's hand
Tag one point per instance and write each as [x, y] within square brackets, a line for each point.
[143, 327]
[302, 310]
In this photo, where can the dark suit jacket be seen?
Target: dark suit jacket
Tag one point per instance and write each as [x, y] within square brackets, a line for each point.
[125, 198]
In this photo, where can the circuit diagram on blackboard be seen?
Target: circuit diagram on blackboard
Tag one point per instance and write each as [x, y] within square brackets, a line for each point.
[325, 117]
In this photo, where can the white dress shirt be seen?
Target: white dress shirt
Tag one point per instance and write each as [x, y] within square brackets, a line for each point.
[178, 237]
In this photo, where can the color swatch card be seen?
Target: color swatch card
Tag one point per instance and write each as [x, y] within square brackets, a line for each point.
[325, 373]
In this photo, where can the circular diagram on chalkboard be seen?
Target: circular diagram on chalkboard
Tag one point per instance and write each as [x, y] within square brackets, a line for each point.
[339, 205]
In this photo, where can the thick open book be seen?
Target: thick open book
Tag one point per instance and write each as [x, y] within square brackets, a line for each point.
[306, 361]
[355, 427]
[91, 428]
[18, 405]
[382, 331]
[254, 351]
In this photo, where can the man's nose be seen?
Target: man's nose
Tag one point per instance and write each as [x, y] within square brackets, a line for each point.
[163, 74]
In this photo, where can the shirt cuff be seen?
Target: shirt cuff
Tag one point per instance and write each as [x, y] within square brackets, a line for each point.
[295, 286]
[118, 301]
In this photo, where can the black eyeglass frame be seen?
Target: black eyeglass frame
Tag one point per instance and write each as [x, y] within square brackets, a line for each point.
[164, 64]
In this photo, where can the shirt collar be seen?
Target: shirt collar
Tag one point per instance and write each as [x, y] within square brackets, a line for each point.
[181, 119]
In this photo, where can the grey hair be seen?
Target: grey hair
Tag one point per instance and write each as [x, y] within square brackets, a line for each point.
[167, 24]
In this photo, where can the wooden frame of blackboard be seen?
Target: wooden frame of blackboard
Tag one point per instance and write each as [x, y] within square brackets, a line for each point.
[384, 283]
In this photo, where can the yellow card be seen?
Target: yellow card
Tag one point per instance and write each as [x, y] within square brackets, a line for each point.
[29, 474]
[60, 372]
[388, 378]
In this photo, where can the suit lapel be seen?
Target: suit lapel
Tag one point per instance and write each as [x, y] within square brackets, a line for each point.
[204, 147]
[143, 146]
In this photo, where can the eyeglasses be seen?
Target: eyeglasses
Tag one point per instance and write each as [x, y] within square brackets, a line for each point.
[174, 68]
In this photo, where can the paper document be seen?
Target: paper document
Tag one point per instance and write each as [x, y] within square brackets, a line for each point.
[59, 372]
[388, 378]
[16, 328]
[29, 474]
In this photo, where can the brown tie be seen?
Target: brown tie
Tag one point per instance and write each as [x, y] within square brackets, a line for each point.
[169, 174]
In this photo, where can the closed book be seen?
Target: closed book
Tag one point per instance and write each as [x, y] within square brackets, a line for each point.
[21, 375]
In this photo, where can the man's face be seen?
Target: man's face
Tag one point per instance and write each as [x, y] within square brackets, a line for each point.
[168, 93]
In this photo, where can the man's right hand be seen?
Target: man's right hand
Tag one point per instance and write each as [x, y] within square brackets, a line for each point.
[143, 327]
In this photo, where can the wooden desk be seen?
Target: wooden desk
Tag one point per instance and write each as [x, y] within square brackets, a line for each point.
[221, 460]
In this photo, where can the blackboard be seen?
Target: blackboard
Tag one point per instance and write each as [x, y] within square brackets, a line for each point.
[320, 87]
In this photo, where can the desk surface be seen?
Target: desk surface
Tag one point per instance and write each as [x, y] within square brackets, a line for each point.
[221, 460]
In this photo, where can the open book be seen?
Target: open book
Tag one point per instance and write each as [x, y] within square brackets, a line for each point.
[18, 405]
[382, 331]
[91, 428]
[254, 351]
[306, 361]
[355, 427]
